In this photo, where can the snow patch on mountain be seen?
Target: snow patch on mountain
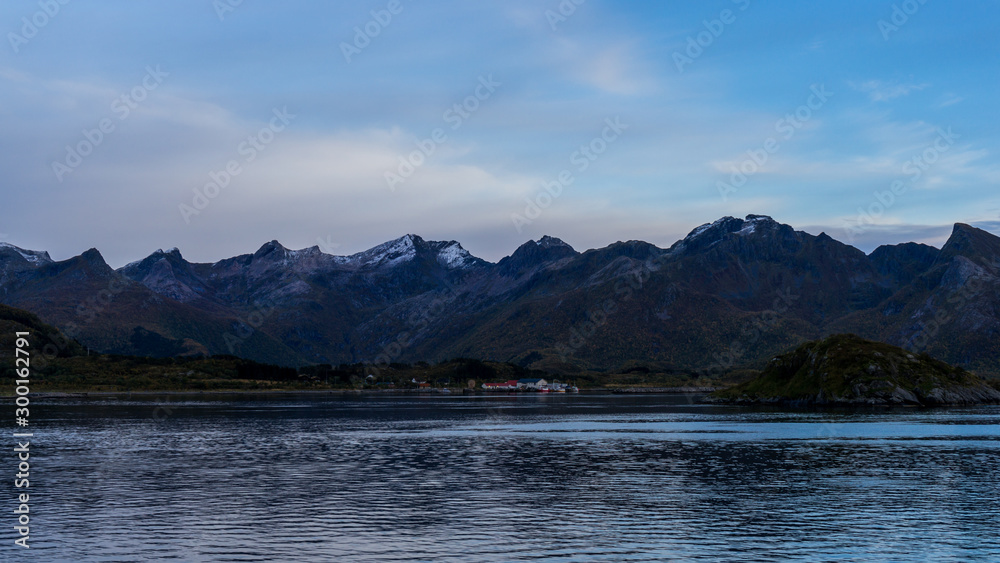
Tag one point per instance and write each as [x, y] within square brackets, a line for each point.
[453, 255]
[754, 221]
[551, 242]
[389, 253]
[297, 254]
[742, 227]
[405, 249]
[698, 231]
[159, 254]
[34, 256]
[710, 234]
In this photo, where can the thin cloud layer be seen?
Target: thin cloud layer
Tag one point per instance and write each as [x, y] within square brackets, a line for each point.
[479, 109]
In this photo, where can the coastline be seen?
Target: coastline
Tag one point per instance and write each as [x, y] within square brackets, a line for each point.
[360, 392]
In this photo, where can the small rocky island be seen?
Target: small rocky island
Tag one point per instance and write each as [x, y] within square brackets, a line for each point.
[848, 370]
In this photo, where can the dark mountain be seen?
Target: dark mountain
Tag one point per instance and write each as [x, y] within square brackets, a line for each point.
[750, 262]
[901, 263]
[168, 274]
[732, 293]
[534, 254]
[109, 312]
[951, 310]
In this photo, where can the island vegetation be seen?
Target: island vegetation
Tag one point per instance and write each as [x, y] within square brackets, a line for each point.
[847, 370]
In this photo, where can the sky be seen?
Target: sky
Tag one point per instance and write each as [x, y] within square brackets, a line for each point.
[215, 126]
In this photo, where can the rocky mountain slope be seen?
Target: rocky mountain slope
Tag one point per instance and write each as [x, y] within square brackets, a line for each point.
[732, 293]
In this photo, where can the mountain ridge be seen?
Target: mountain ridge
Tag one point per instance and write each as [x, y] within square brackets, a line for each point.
[408, 299]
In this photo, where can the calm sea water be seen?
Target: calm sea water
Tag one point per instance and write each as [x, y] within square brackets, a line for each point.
[506, 478]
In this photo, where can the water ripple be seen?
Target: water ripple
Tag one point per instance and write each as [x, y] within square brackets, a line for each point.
[554, 479]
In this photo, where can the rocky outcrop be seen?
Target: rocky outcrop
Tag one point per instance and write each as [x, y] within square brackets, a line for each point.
[848, 370]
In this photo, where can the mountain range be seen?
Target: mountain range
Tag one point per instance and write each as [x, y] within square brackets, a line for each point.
[732, 293]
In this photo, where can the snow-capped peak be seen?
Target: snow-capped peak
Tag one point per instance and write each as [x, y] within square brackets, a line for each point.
[404, 244]
[405, 249]
[34, 256]
[752, 222]
[158, 254]
[389, 253]
[732, 224]
[710, 234]
[453, 255]
[698, 231]
[550, 242]
[173, 250]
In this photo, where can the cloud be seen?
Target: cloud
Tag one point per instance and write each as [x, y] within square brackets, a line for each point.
[324, 176]
[816, 44]
[884, 151]
[612, 67]
[615, 70]
[951, 100]
[880, 91]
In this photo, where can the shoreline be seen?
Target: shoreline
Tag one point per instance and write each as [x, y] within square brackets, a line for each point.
[665, 390]
[359, 392]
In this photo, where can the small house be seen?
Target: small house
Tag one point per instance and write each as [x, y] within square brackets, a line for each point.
[533, 384]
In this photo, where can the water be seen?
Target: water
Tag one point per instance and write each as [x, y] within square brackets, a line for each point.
[506, 478]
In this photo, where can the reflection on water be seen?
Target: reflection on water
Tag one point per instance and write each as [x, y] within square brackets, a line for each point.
[567, 478]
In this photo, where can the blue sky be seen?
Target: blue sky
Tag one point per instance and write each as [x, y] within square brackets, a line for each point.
[696, 88]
